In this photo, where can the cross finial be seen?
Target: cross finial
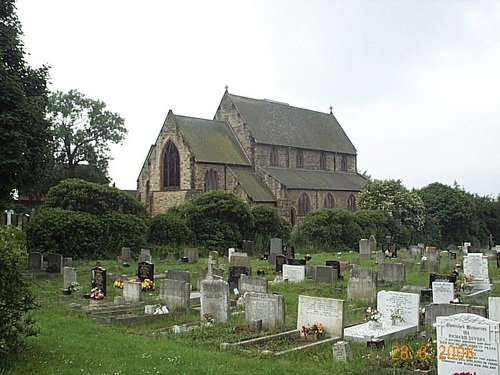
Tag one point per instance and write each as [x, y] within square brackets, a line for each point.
[227, 87]
[331, 110]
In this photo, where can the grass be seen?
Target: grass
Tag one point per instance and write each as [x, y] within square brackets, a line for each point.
[71, 343]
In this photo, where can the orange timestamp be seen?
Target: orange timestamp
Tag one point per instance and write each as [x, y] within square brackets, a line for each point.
[446, 352]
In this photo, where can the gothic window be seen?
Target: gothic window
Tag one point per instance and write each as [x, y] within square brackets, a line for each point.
[351, 203]
[329, 202]
[304, 205]
[210, 180]
[300, 159]
[322, 161]
[343, 163]
[273, 159]
[171, 167]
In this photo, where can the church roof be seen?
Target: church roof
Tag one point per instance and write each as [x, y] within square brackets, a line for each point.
[211, 141]
[252, 184]
[317, 179]
[277, 123]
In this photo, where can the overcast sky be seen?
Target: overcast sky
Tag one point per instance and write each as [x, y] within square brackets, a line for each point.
[414, 84]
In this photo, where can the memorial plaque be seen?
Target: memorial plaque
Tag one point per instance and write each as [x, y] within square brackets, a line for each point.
[442, 292]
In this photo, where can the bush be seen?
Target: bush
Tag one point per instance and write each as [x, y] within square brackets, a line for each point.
[268, 224]
[15, 296]
[122, 230]
[169, 229]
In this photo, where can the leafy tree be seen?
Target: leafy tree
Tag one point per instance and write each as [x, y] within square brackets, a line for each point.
[24, 131]
[169, 229]
[83, 130]
[488, 212]
[268, 224]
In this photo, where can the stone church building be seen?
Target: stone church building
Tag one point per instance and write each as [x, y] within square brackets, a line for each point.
[266, 152]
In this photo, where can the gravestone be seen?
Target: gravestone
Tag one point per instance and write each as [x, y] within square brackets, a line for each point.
[325, 274]
[380, 257]
[326, 311]
[126, 255]
[342, 351]
[476, 264]
[132, 291]
[192, 255]
[280, 260]
[180, 275]
[336, 265]
[215, 256]
[248, 247]
[145, 270]
[99, 279]
[294, 274]
[452, 259]
[290, 252]
[390, 249]
[450, 278]
[275, 248]
[498, 259]
[372, 243]
[465, 247]
[414, 252]
[69, 277]
[175, 294]
[426, 296]
[144, 256]
[393, 272]
[364, 248]
[434, 310]
[362, 286]
[442, 292]
[494, 308]
[230, 253]
[238, 265]
[55, 263]
[296, 262]
[252, 284]
[35, 261]
[468, 344]
[270, 308]
[430, 260]
[214, 300]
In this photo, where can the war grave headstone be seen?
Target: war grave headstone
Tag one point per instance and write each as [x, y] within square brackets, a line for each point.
[476, 264]
[364, 248]
[372, 243]
[336, 265]
[275, 247]
[407, 305]
[132, 291]
[144, 256]
[248, 247]
[325, 274]
[270, 308]
[252, 284]
[214, 299]
[362, 286]
[69, 277]
[468, 344]
[494, 308]
[342, 351]
[294, 274]
[54, 263]
[442, 292]
[35, 261]
[280, 260]
[434, 310]
[145, 270]
[380, 257]
[192, 255]
[175, 294]
[393, 272]
[99, 279]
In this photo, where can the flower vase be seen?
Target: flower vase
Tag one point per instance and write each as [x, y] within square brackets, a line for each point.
[374, 324]
[393, 322]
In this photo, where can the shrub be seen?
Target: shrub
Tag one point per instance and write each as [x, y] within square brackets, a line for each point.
[169, 229]
[120, 230]
[268, 224]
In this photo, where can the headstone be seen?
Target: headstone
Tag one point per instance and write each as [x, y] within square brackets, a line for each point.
[450, 278]
[290, 252]
[494, 308]
[342, 351]
[230, 253]
[175, 294]
[126, 255]
[240, 260]
[442, 292]
[294, 274]
[476, 264]
[276, 246]
[295, 262]
[408, 305]
[393, 272]
[430, 260]
[468, 344]
[180, 275]
[325, 274]
[215, 256]
[364, 248]
[132, 291]
[145, 270]
[99, 279]
[326, 311]
[362, 286]
[270, 308]
[214, 300]
[248, 247]
[252, 284]
[236, 271]
[35, 261]
[380, 257]
[144, 256]
[55, 263]
[465, 247]
[192, 255]
[425, 295]
[434, 310]
[336, 265]
[498, 259]
[280, 260]
[69, 277]
[372, 243]
[414, 252]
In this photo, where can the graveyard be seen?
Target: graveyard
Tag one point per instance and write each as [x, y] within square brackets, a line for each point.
[208, 313]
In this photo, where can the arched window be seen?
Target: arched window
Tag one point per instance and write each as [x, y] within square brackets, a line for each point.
[300, 159]
[322, 161]
[351, 203]
[343, 163]
[171, 167]
[210, 180]
[273, 158]
[304, 205]
[329, 202]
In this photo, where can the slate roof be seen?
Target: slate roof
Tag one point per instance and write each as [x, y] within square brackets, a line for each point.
[277, 123]
[252, 184]
[305, 179]
[211, 141]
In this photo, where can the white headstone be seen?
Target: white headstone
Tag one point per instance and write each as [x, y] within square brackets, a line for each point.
[342, 351]
[294, 274]
[442, 292]
[476, 264]
[465, 247]
[494, 308]
[407, 304]
[326, 311]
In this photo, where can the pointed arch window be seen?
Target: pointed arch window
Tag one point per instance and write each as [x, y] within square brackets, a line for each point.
[343, 163]
[304, 204]
[322, 161]
[300, 159]
[273, 158]
[329, 201]
[351, 203]
[171, 167]
[211, 180]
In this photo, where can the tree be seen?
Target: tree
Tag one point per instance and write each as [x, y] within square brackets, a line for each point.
[24, 131]
[83, 130]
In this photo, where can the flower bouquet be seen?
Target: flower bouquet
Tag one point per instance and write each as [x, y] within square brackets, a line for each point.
[118, 283]
[396, 316]
[96, 294]
[373, 317]
[315, 330]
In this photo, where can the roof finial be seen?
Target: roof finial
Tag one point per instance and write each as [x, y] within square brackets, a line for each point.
[331, 110]
[227, 87]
